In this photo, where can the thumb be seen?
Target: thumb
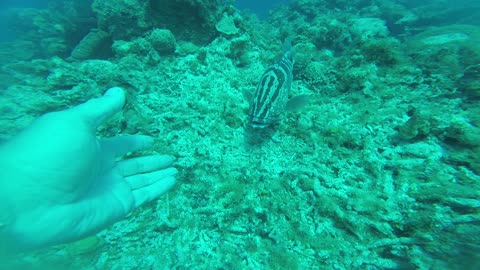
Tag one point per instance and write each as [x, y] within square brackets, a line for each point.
[96, 110]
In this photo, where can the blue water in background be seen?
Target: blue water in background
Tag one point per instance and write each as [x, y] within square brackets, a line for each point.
[7, 4]
[24, 3]
[260, 8]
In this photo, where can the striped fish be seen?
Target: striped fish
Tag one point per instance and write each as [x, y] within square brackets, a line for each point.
[270, 99]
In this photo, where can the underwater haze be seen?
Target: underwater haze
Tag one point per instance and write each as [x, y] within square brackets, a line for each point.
[365, 154]
[260, 8]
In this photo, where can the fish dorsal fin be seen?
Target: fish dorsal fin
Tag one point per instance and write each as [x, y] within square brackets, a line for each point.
[297, 102]
[287, 44]
[288, 49]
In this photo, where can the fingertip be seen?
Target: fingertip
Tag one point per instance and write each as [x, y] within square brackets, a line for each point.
[114, 100]
[169, 159]
[171, 171]
[165, 162]
[96, 110]
[147, 141]
[170, 182]
[115, 92]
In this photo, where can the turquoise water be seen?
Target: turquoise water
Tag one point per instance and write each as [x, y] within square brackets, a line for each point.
[380, 170]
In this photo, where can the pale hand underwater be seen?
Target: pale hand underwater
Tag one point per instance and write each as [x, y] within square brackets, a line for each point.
[60, 183]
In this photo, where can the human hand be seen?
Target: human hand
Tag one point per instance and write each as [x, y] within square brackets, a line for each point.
[59, 182]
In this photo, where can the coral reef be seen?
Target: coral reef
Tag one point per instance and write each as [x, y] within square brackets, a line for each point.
[381, 170]
[163, 41]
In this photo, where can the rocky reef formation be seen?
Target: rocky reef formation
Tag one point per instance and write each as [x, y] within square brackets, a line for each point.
[380, 171]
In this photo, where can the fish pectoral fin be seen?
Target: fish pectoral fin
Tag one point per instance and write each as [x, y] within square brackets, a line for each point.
[297, 102]
[247, 94]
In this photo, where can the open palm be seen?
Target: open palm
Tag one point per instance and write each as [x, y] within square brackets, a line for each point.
[61, 183]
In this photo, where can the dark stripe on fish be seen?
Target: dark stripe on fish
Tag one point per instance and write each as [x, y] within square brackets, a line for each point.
[271, 94]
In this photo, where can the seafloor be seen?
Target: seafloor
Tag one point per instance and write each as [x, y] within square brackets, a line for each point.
[379, 171]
